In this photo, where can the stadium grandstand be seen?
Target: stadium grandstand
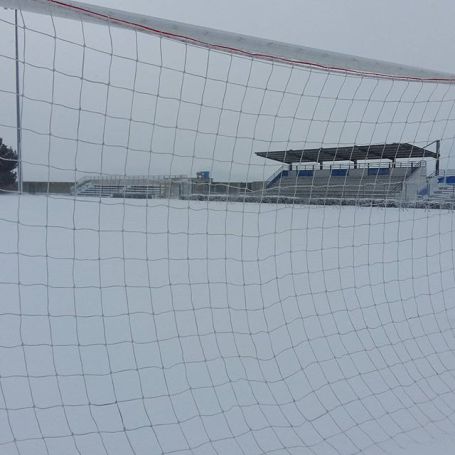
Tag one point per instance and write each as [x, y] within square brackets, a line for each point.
[136, 187]
[395, 172]
[441, 186]
[161, 186]
[383, 171]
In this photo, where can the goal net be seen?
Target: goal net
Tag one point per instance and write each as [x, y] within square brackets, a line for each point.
[216, 244]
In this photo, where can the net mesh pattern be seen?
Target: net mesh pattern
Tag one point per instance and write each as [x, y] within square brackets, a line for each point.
[164, 290]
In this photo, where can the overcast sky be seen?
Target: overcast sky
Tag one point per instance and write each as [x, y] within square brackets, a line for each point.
[413, 32]
[418, 33]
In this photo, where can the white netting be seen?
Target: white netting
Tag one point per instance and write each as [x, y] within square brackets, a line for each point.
[166, 290]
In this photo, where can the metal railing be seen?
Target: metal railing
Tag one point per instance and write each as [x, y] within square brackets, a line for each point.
[126, 180]
[367, 165]
[275, 176]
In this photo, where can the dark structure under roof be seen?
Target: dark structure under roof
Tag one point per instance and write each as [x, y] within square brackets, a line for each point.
[351, 153]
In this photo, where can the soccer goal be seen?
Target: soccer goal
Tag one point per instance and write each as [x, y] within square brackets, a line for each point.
[218, 244]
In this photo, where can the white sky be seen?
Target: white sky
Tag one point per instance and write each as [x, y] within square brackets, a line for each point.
[413, 32]
[418, 33]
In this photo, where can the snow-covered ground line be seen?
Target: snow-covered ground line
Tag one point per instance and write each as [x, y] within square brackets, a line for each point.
[148, 327]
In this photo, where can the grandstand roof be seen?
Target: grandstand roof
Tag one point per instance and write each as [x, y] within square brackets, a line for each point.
[350, 153]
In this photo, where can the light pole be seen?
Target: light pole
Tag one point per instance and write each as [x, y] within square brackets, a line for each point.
[18, 111]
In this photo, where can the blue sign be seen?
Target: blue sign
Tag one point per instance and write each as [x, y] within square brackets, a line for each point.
[378, 171]
[203, 175]
[339, 172]
[306, 173]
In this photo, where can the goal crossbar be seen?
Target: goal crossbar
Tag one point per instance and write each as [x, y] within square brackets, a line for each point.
[224, 41]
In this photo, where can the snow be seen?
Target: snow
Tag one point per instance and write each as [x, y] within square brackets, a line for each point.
[185, 327]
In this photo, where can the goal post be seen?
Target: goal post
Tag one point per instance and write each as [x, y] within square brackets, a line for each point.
[224, 244]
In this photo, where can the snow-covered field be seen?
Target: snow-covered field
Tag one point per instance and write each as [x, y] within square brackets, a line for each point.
[159, 327]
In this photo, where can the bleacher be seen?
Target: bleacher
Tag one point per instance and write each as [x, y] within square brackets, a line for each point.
[372, 171]
[338, 183]
[442, 187]
[139, 187]
[444, 193]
